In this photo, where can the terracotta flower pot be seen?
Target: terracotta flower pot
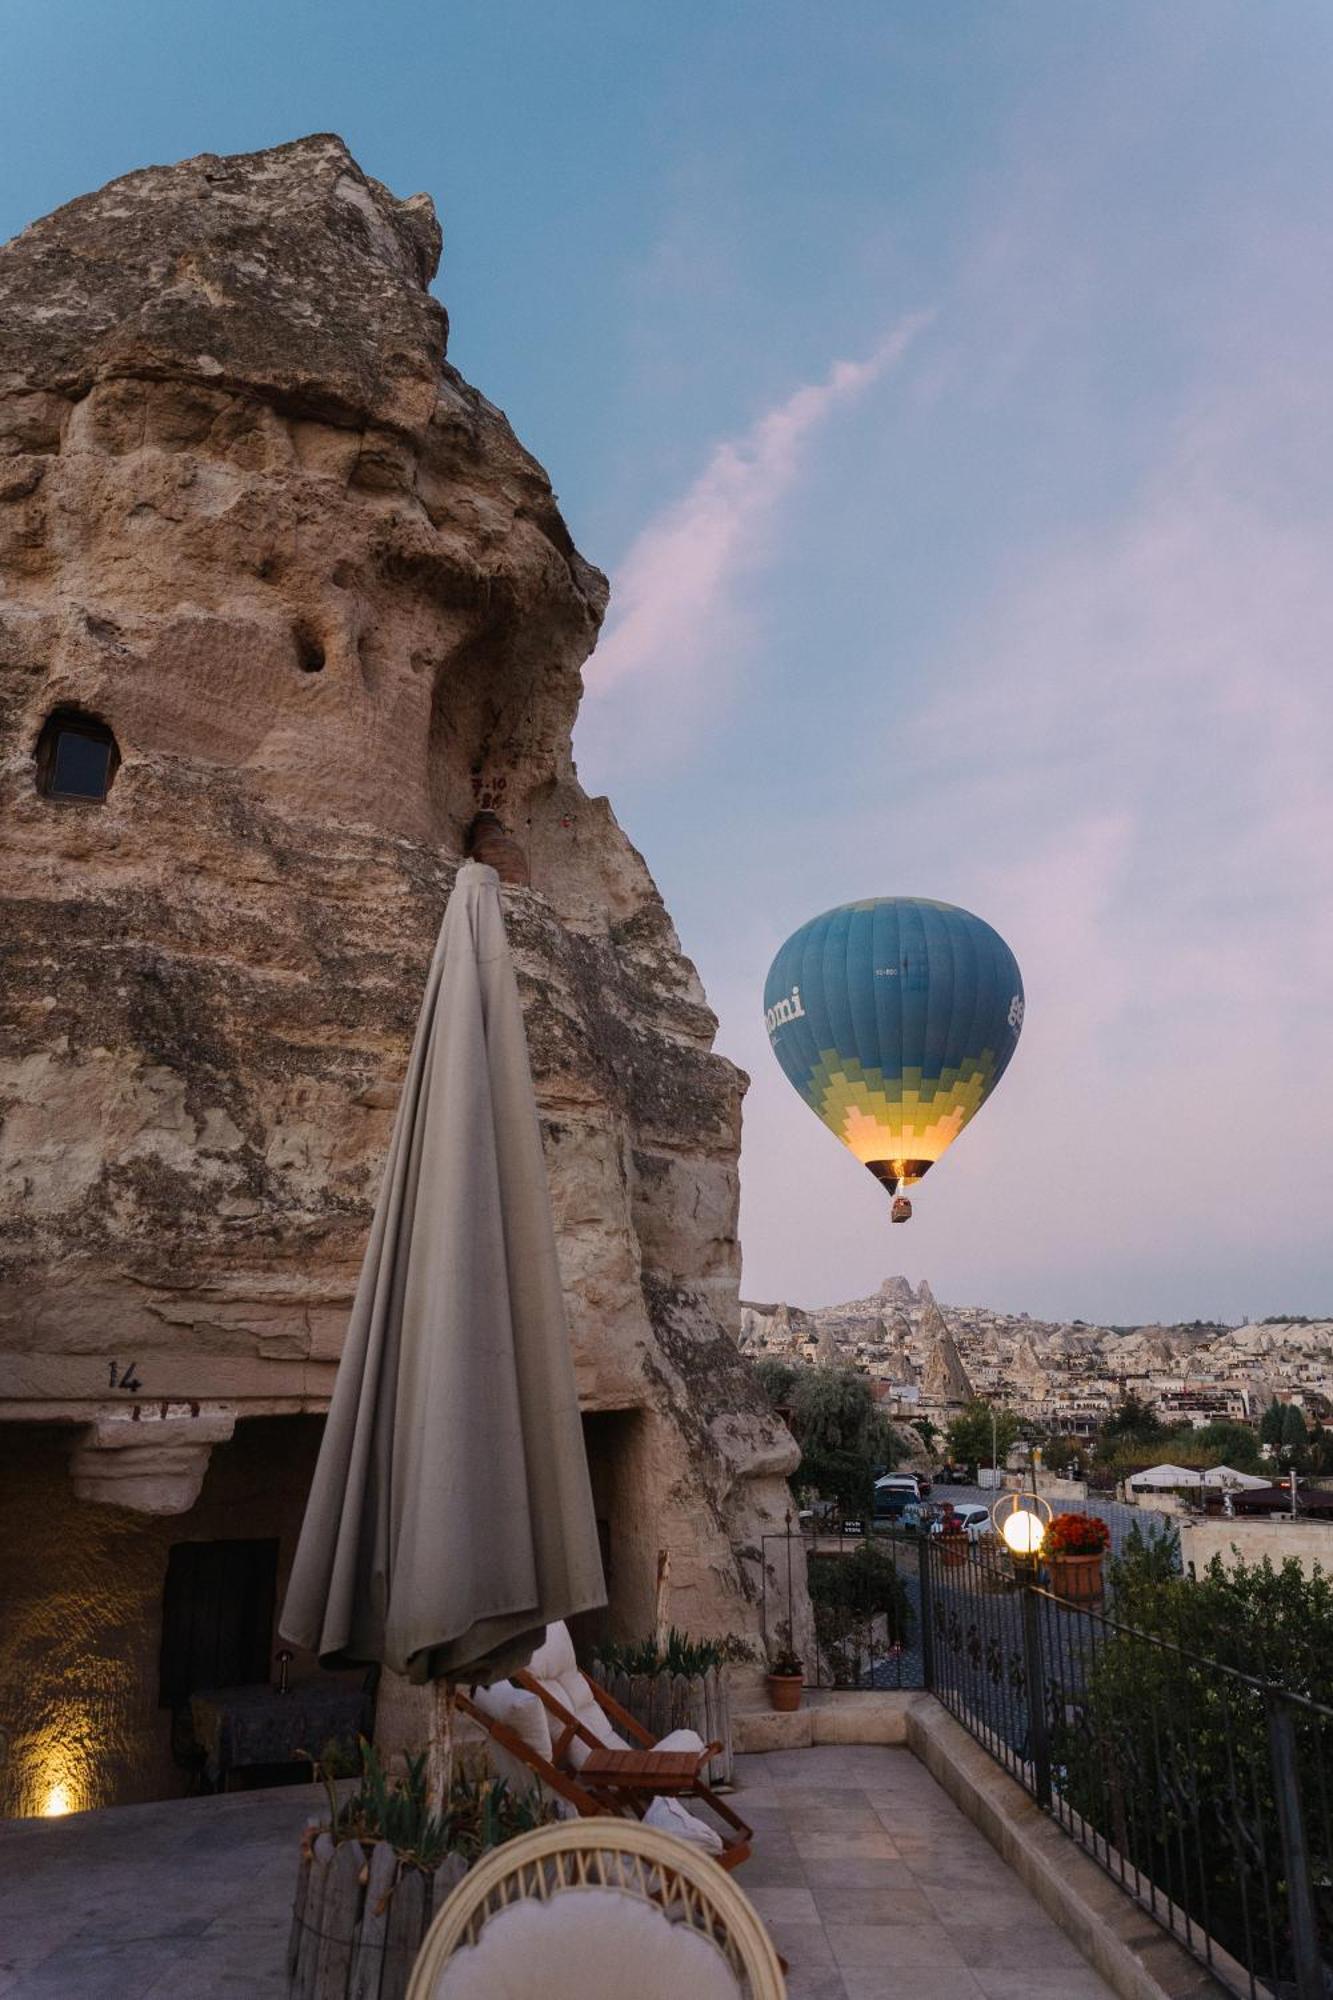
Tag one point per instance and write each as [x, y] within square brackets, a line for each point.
[784, 1691]
[1077, 1578]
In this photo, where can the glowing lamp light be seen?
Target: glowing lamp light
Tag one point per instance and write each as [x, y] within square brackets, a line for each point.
[1021, 1521]
[1024, 1533]
[57, 1802]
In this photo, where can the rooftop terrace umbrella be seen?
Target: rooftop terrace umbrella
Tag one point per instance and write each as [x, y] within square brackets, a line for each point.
[451, 1519]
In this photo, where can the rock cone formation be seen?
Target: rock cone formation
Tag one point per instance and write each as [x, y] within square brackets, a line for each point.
[254, 524]
[943, 1378]
[897, 1361]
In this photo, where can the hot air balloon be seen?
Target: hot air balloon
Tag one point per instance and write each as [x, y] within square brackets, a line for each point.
[895, 1019]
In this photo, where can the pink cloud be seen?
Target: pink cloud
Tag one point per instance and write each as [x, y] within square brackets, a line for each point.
[676, 601]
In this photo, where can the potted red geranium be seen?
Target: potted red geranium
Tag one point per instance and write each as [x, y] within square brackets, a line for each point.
[1074, 1548]
[953, 1537]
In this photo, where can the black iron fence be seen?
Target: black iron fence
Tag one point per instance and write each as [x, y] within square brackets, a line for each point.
[865, 1596]
[1203, 1791]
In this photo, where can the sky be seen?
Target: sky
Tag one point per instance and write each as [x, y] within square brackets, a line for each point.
[947, 392]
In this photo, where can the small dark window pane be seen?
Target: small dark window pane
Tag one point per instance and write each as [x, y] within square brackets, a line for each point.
[82, 766]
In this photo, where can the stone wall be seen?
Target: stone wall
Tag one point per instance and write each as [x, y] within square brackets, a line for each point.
[1255, 1541]
[253, 522]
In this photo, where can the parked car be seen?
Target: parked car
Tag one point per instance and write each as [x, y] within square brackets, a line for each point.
[974, 1520]
[899, 1482]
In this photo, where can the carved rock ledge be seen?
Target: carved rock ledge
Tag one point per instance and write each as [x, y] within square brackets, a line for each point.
[150, 1459]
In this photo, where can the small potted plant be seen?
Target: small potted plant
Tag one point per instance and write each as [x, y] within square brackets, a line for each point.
[786, 1678]
[1074, 1549]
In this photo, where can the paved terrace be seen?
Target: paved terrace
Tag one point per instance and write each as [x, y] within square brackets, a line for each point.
[873, 1884]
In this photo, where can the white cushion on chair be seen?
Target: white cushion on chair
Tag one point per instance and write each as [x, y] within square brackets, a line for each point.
[586, 1944]
[554, 1659]
[681, 1739]
[520, 1710]
[674, 1816]
[524, 1714]
[554, 1665]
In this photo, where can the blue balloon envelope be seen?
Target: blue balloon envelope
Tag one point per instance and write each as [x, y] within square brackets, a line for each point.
[895, 1019]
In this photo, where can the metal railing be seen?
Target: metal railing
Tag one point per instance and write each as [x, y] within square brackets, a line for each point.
[1202, 1790]
[865, 1595]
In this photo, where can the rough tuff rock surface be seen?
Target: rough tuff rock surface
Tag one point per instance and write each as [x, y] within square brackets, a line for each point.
[253, 521]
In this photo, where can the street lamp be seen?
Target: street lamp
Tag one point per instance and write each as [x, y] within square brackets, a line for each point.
[1020, 1520]
[1024, 1533]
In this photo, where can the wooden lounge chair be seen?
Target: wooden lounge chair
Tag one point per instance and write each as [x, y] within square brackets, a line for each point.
[586, 1760]
[580, 1912]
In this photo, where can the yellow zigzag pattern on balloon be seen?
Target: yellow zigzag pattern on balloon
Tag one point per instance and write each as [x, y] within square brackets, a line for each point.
[903, 1118]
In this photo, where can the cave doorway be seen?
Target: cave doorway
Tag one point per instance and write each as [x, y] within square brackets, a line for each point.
[614, 1441]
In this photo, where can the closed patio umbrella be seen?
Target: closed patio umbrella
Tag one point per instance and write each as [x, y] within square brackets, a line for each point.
[450, 1518]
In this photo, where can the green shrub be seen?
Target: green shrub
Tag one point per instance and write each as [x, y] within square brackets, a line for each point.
[860, 1605]
[1168, 1756]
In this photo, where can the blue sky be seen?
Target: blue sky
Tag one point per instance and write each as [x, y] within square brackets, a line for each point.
[947, 391]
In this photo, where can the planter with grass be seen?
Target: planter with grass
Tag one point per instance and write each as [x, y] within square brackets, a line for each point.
[373, 1874]
[681, 1684]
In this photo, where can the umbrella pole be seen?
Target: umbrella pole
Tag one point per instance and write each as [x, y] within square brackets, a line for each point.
[660, 1609]
[440, 1747]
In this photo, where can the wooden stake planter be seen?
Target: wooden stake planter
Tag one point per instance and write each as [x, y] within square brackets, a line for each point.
[359, 1917]
[663, 1702]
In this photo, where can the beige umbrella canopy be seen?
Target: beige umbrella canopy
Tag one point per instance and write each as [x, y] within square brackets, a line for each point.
[451, 1518]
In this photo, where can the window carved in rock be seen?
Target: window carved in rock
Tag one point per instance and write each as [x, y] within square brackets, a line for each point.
[77, 758]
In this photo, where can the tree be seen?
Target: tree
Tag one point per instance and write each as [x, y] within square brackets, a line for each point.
[926, 1430]
[777, 1378]
[1270, 1426]
[1059, 1454]
[1132, 1423]
[970, 1435]
[844, 1439]
[1228, 1443]
[1293, 1429]
[1319, 1451]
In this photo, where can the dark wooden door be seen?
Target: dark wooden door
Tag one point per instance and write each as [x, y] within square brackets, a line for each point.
[217, 1617]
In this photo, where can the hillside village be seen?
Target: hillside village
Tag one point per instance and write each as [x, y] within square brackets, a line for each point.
[1069, 1376]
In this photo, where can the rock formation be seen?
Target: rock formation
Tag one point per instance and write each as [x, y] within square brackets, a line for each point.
[944, 1380]
[255, 526]
[1029, 1376]
[897, 1292]
[897, 1362]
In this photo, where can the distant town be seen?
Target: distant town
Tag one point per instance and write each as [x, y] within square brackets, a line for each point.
[1066, 1376]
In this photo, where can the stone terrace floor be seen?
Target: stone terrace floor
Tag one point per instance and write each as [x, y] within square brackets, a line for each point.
[874, 1886]
[869, 1878]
